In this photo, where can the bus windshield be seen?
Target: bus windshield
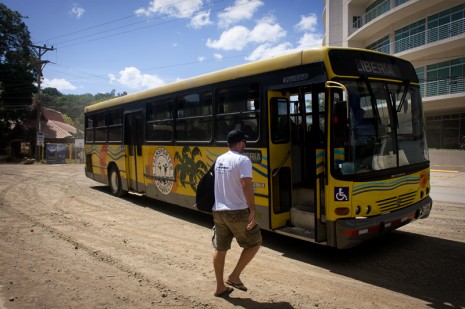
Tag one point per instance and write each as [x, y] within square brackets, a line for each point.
[384, 127]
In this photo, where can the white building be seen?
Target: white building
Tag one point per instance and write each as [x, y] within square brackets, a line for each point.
[429, 33]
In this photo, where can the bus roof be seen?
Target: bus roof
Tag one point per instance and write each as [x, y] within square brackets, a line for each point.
[249, 69]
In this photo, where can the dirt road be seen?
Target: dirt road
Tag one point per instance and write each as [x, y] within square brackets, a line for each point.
[65, 242]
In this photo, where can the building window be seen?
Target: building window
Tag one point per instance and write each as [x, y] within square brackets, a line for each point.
[443, 25]
[377, 8]
[357, 22]
[446, 77]
[445, 131]
[382, 45]
[446, 24]
[410, 36]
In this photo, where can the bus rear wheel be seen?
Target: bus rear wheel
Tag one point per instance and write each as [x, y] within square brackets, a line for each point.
[115, 182]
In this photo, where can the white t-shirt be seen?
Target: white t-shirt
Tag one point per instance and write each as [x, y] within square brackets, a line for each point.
[229, 169]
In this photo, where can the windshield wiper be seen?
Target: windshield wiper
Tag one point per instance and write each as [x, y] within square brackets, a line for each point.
[404, 95]
[374, 105]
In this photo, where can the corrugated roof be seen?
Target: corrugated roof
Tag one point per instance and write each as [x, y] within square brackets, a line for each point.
[52, 129]
[54, 126]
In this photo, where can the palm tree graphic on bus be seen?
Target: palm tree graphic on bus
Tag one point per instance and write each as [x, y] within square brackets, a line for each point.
[190, 171]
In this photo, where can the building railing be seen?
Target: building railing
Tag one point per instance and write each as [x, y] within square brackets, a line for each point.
[383, 49]
[444, 86]
[380, 9]
[426, 37]
[431, 35]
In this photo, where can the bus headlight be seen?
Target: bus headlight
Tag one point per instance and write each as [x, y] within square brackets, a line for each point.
[368, 209]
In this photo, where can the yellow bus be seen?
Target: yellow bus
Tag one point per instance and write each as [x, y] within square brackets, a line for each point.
[336, 137]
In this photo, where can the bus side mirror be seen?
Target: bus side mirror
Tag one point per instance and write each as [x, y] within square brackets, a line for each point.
[340, 122]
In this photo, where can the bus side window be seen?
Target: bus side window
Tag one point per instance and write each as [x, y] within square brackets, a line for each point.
[238, 108]
[194, 117]
[115, 126]
[160, 120]
[89, 128]
[101, 129]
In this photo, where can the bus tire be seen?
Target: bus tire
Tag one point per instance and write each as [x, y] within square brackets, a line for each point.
[116, 187]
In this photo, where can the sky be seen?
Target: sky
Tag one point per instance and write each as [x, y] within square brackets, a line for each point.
[133, 45]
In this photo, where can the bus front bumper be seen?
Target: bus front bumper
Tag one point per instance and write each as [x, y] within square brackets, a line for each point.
[351, 232]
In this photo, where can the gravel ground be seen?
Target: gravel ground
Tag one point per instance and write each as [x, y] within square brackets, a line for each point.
[65, 242]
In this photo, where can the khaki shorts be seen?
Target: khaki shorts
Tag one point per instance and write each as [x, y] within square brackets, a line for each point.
[233, 223]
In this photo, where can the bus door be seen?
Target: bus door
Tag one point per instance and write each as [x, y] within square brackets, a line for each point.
[279, 158]
[133, 131]
[296, 156]
[308, 112]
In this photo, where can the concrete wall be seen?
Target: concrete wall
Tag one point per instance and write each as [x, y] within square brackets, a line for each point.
[443, 159]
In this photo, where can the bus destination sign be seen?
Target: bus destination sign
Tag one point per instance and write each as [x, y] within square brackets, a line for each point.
[384, 69]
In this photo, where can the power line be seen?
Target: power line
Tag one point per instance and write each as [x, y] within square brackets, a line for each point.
[127, 25]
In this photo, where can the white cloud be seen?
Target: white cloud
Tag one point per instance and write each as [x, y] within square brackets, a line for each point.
[218, 57]
[309, 40]
[266, 31]
[241, 10]
[232, 39]
[176, 8]
[201, 19]
[132, 78]
[238, 37]
[77, 10]
[201, 59]
[267, 51]
[58, 83]
[307, 23]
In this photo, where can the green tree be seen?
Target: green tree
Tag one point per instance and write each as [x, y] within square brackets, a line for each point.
[16, 73]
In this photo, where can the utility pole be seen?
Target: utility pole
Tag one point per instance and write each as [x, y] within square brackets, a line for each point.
[39, 66]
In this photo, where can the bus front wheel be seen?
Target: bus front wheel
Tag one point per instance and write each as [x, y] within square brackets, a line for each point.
[115, 182]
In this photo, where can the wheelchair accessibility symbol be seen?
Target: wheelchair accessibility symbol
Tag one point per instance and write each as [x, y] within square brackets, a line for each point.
[341, 194]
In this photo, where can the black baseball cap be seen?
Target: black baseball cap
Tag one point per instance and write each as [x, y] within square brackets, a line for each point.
[236, 136]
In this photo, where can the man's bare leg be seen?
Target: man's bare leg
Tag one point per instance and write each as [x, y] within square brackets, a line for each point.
[219, 258]
[246, 256]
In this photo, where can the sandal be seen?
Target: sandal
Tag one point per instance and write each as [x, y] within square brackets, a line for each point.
[225, 293]
[239, 285]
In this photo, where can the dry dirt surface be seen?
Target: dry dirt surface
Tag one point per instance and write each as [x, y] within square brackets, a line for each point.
[65, 242]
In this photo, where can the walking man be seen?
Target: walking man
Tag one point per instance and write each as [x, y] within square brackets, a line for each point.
[234, 213]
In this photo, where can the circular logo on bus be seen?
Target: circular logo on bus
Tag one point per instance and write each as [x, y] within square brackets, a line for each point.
[163, 170]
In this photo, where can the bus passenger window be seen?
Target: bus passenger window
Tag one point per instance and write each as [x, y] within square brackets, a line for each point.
[100, 127]
[238, 107]
[194, 117]
[115, 126]
[159, 120]
[89, 128]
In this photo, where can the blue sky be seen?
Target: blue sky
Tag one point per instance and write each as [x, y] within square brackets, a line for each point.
[101, 45]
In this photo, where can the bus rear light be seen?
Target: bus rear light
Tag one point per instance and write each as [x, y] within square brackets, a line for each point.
[358, 209]
[342, 211]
